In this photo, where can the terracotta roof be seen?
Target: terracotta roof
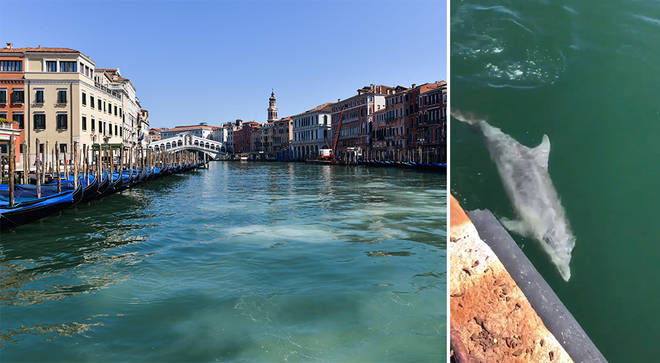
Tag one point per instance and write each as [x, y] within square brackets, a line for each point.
[324, 107]
[113, 72]
[186, 128]
[39, 50]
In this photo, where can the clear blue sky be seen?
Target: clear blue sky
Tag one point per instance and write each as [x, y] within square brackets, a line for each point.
[216, 61]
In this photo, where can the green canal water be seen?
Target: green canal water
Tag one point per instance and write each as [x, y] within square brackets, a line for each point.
[241, 262]
[587, 74]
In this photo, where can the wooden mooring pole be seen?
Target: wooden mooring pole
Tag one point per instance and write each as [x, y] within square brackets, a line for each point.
[37, 163]
[12, 169]
[57, 167]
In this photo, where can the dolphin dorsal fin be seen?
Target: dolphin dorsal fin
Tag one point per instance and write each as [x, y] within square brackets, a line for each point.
[542, 152]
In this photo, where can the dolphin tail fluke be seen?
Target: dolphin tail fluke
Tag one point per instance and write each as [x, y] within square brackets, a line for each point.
[517, 227]
[463, 117]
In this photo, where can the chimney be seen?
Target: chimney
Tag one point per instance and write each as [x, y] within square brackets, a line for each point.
[9, 45]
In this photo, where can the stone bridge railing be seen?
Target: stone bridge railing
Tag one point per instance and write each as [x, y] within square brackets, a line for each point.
[190, 142]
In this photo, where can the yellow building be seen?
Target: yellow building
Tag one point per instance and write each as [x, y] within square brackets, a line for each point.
[67, 100]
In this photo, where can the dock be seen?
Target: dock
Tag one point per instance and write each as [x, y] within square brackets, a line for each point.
[501, 308]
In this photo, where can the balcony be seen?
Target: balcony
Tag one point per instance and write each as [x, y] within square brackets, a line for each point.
[107, 90]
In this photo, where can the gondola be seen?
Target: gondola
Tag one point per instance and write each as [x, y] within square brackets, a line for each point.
[31, 210]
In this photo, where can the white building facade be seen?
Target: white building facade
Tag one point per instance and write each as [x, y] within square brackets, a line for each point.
[312, 131]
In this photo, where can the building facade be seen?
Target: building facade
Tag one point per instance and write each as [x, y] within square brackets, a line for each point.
[244, 138]
[353, 129]
[57, 96]
[202, 130]
[12, 103]
[312, 131]
[282, 135]
[432, 122]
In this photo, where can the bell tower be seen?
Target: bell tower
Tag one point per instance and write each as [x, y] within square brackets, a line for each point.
[272, 107]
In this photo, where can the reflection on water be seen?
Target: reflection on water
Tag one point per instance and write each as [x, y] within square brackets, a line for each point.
[244, 261]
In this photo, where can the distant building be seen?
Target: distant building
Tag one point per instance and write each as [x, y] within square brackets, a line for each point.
[282, 135]
[399, 130]
[265, 142]
[231, 128]
[431, 128]
[202, 130]
[357, 116]
[155, 134]
[312, 130]
[219, 134]
[244, 138]
[272, 107]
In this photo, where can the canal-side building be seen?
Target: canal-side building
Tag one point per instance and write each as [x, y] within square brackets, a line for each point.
[201, 130]
[132, 130]
[68, 101]
[312, 131]
[231, 128]
[64, 99]
[219, 134]
[244, 137]
[357, 116]
[390, 133]
[282, 135]
[143, 126]
[431, 120]
[398, 129]
[12, 103]
[265, 140]
[155, 134]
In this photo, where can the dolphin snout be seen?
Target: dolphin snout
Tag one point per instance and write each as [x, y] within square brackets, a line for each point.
[564, 271]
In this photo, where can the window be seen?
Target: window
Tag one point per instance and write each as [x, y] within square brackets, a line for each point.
[39, 96]
[3, 96]
[84, 123]
[120, 114]
[115, 129]
[99, 104]
[18, 117]
[51, 66]
[91, 101]
[104, 128]
[93, 123]
[100, 126]
[39, 121]
[110, 129]
[63, 148]
[103, 106]
[17, 96]
[61, 121]
[11, 66]
[3, 115]
[61, 96]
[84, 99]
[121, 133]
[68, 66]
[115, 110]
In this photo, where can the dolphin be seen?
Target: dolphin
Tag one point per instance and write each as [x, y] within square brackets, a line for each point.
[524, 174]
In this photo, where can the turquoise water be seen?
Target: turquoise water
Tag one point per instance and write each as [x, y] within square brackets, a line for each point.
[240, 262]
[587, 75]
